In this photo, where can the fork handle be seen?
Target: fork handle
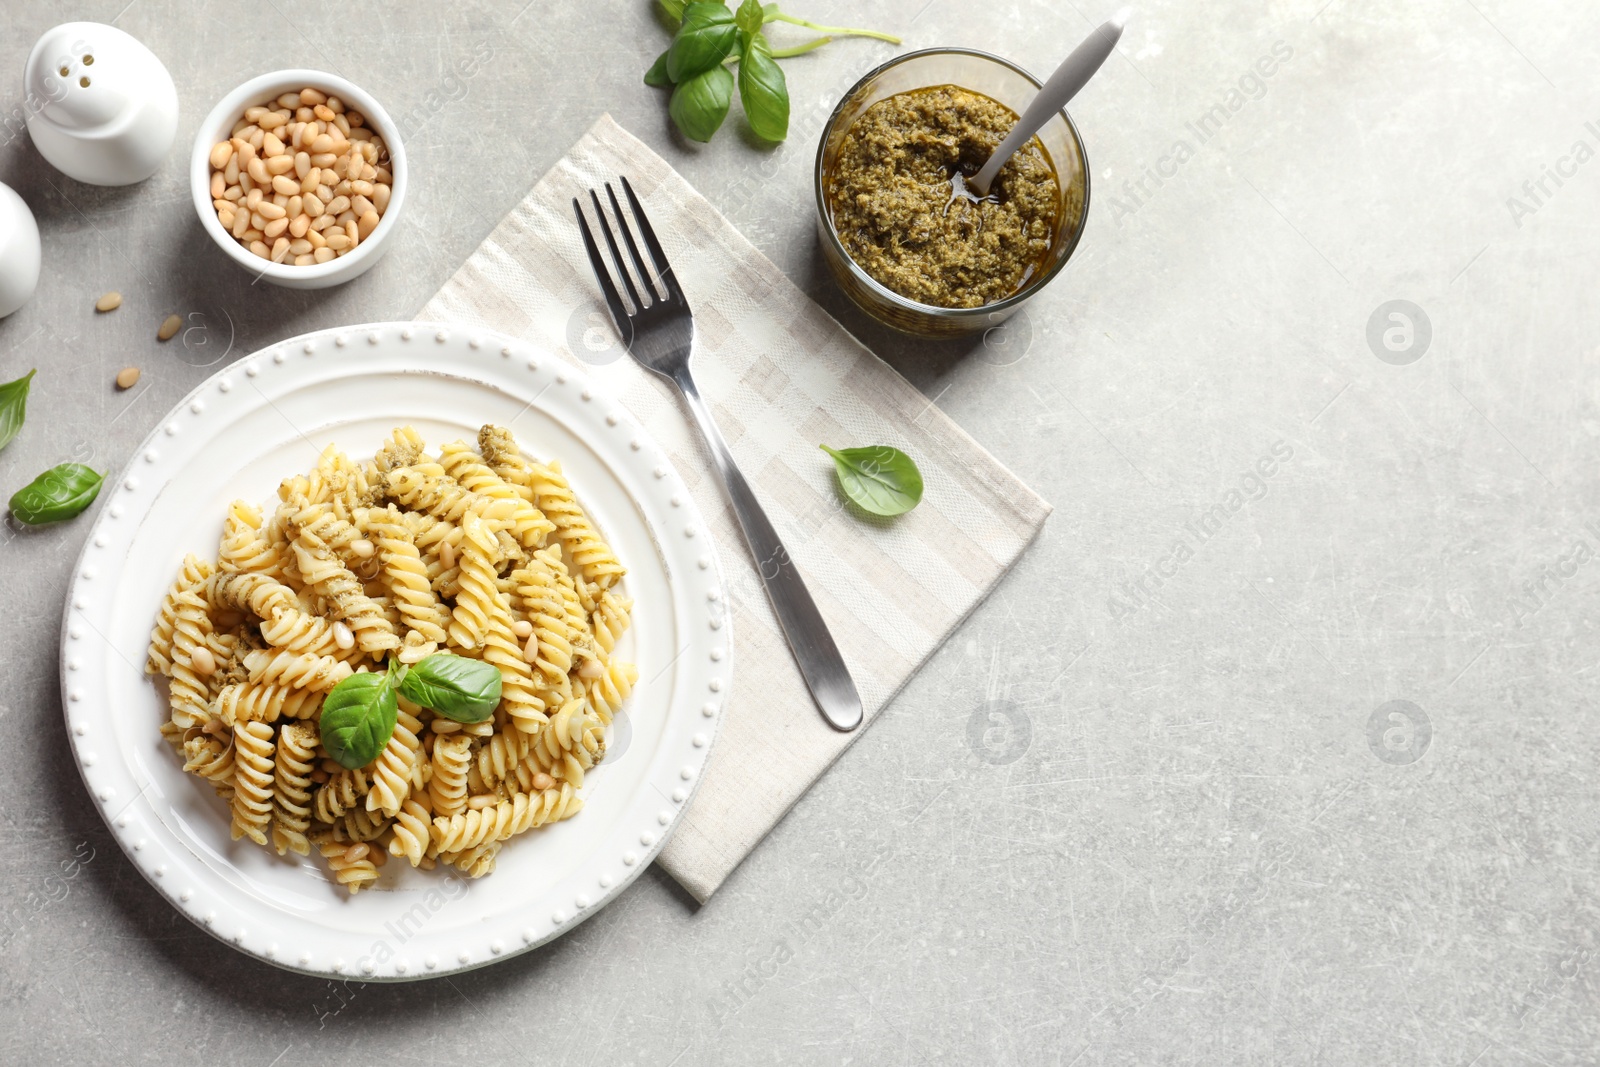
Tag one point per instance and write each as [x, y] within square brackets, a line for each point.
[814, 651]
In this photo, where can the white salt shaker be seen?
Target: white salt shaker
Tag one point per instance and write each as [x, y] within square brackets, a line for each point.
[19, 251]
[101, 107]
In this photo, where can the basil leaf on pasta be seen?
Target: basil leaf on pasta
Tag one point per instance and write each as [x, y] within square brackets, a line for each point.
[358, 718]
[466, 690]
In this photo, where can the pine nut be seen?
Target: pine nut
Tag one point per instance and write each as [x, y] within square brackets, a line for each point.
[360, 204]
[543, 781]
[272, 120]
[219, 185]
[271, 145]
[270, 211]
[311, 205]
[169, 326]
[109, 302]
[335, 105]
[447, 555]
[203, 662]
[339, 241]
[313, 96]
[319, 776]
[241, 223]
[302, 165]
[285, 185]
[253, 114]
[323, 254]
[280, 247]
[260, 249]
[522, 627]
[363, 548]
[530, 650]
[380, 198]
[304, 260]
[300, 225]
[280, 166]
[378, 857]
[128, 377]
[356, 853]
[316, 239]
[343, 637]
[355, 118]
[226, 218]
[302, 247]
[340, 203]
[258, 172]
[220, 154]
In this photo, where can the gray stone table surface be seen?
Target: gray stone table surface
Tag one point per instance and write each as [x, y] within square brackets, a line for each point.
[1154, 802]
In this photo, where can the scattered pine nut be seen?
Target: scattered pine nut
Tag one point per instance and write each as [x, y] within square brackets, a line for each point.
[169, 326]
[356, 853]
[542, 781]
[522, 628]
[342, 636]
[110, 302]
[362, 548]
[203, 662]
[128, 377]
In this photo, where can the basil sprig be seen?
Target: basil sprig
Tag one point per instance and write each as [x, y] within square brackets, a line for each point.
[60, 493]
[358, 716]
[13, 407]
[708, 39]
[456, 687]
[879, 479]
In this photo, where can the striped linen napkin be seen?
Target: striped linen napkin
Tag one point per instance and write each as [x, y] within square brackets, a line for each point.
[782, 376]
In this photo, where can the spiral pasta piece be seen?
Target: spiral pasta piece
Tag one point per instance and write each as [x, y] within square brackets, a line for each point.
[299, 670]
[252, 781]
[259, 594]
[448, 787]
[246, 548]
[291, 788]
[354, 875]
[403, 448]
[210, 757]
[340, 793]
[406, 576]
[413, 829]
[611, 617]
[193, 574]
[499, 756]
[527, 524]
[190, 693]
[249, 702]
[541, 599]
[501, 821]
[475, 862]
[391, 772]
[303, 632]
[346, 597]
[592, 556]
[469, 622]
[607, 692]
[517, 695]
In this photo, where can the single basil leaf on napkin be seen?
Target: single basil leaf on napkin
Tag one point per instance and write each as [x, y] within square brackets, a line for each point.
[700, 104]
[657, 74]
[763, 89]
[14, 406]
[358, 717]
[456, 687]
[60, 493]
[881, 480]
[707, 37]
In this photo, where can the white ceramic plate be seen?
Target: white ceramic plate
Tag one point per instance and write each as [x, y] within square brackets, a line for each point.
[268, 416]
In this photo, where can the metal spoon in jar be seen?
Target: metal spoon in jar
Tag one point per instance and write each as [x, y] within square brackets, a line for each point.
[1073, 74]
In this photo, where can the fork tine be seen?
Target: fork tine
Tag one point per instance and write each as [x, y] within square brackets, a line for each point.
[619, 313]
[633, 249]
[616, 253]
[663, 268]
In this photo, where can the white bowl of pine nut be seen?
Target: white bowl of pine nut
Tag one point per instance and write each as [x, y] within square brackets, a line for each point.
[338, 149]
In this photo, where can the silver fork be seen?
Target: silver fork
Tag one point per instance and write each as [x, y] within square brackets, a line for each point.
[659, 331]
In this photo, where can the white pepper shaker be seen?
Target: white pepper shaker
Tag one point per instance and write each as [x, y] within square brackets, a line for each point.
[101, 107]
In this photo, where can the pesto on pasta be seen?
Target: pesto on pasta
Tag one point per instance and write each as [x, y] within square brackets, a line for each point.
[482, 552]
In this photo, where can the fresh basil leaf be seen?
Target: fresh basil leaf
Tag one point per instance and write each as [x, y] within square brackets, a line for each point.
[13, 407]
[769, 12]
[674, 8]
[358, 716]
[707, 36]
[750, 17]
[60, 493]
[700, 104]
[466, 690]
[763, 89]
[657, 74]
[880, 479]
